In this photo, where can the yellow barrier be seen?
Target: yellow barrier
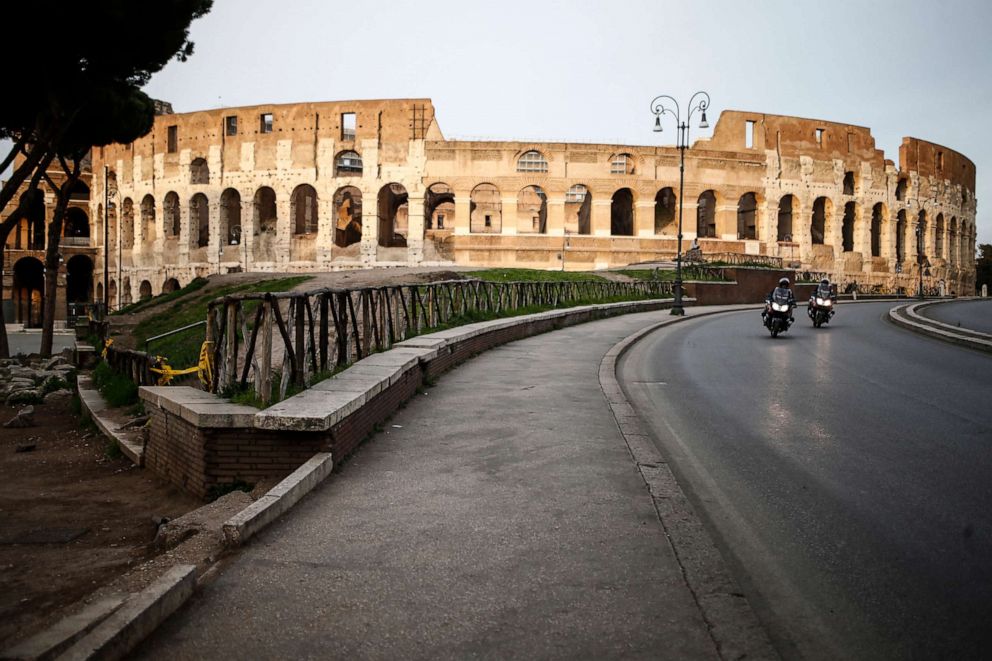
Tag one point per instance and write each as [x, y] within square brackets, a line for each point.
[204, 369]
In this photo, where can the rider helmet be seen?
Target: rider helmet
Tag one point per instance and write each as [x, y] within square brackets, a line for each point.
[783, 282]
[825, 281]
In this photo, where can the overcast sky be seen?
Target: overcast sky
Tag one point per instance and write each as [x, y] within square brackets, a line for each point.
[586, 70]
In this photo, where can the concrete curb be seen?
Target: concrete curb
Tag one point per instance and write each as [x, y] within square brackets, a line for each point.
[136, 618]
[93, 404]
[906, 316]
[53, 641]
[734, 628]
[277, 500]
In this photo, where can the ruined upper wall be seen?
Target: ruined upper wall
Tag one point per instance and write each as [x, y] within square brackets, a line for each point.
[936, 161]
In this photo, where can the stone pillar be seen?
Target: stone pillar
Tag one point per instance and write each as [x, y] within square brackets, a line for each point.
[556, 216]
[370, 224]
[508, 215]
[689, 221]
[284, 226]
[601, 216]
[463, 201]
[214, 243]
[644, 218]
[726, 222]
[415, 229]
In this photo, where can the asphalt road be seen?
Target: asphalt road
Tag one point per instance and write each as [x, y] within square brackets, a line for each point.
[846, 474]
[974, 314]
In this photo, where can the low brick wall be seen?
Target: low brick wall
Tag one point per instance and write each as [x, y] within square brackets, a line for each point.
[199, 441]
[748, 286]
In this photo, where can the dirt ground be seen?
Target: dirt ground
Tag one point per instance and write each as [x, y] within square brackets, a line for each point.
[71, 517]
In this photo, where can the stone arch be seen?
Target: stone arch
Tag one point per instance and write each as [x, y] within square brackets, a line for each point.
[29, 291]
[394, 215]
[665, 221]
[348, 164]
[847, 227]
[878, 216]
[144, 290]
[126, 292]
[622, 163]
[822, 208]
[127, 224]
[578, 209]
[170, 285]
[148, 232]
[921, 233]
[706, 215]
[347, 216]
[264, 224]
[532, 210]
[77, 223]
[78, 279]
[786, 209]
[303, 209]
[229, 219]
[485, 210]
[439, 207]
[173, 222]
[532, 161]
[199, 221]
[938, 243]
[901, 228]
[622, 213]
[747, 217]
[199, 172]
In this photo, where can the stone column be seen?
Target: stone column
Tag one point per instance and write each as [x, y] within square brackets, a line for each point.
[370, 223]
[556, 215]
[284, 226]
[415, 229]
[726, 222]
[601, 216]
[508, 215]
[644, 218]
[463, 201]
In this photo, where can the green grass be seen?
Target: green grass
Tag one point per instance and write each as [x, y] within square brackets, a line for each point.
[531, 275]
[116, 388]
[183, 349]
[688, 273]
[194, 285]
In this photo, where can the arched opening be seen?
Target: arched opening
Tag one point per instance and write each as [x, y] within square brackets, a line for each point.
[847, 228]
[706, 215]
[532, 211]
[348, 216]
[952, 241]
[622, 213]
[848, 183]
[786, 206]
[29, 291]
[747, 217]
[394, 218]
[921, 234]
[818, 224]
[485, 210]
[170, 207]
[80, 191]
[901, 236]
[112, 294]
[126, 292]
[144, 290]
[439, 207]
[230, 228]
[664, 212]
[901, 189]
[169, 286]
[78, 279]
[621, 164]
[532, 161]
[264, 223]
[199, 221]
[303, 209]
[31, 229]
[348, 164]
[127, 224]
[199, 171]
[877, 216]
[148, 232]
[77, 225]
[938, 247]
[578, 210]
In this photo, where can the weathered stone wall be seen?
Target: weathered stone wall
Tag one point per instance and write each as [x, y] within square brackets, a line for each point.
[818, 194]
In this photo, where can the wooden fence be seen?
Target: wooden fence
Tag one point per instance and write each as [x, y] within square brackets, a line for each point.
[303, 334]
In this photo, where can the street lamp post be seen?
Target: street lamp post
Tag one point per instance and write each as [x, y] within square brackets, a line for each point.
[666, 104]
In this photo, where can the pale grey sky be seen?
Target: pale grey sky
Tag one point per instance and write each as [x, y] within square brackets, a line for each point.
[586, 70]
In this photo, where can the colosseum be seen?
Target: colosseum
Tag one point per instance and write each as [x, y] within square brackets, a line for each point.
[357, 184]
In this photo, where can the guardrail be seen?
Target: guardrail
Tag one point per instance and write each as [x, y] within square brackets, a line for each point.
[321, 330]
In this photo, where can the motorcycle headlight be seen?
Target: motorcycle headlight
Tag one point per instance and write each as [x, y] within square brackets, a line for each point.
[780, 307]
[822, 301]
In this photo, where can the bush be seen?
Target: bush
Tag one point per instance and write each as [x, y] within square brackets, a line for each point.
[118, 390]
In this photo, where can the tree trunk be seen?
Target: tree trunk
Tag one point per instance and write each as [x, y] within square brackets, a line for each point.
[52, 253]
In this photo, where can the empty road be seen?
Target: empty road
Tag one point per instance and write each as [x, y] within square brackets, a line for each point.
[846, 474]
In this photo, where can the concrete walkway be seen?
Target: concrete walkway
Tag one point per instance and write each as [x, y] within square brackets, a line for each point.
[499, 515]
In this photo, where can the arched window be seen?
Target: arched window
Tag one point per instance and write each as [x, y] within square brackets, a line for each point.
[818, 224]
[785, 208]
[144, 290]
[848, 183]
[148, 232]
[578, 208]
[394, 216]
[877, 216]
[127, 223]
[664, 212]
[199, 219]
[532, 211]
[77, 224]
[171, 208]
[622, 213]
[706, 215]
[486, 210]
[439, 207]
[532, 161]
[304, 209]
[199, 172]
[230, 229]
[622, 164]
[901, 189]
[847, 229]
[347, 216]
[348, 164]
[747, 214]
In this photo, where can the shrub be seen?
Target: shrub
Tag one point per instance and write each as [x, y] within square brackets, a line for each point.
[118, 390]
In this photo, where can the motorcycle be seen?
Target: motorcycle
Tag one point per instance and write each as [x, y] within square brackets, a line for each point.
[820, 310]
[778, 315]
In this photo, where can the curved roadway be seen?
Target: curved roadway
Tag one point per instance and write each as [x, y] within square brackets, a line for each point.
[846, 473]
[975, 314]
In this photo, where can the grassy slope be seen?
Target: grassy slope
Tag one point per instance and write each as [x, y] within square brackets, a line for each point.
[530, 275]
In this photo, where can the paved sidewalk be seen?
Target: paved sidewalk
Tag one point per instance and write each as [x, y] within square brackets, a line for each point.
[498, 515]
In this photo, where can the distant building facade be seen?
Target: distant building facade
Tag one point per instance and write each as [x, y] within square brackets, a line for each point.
[322, 186]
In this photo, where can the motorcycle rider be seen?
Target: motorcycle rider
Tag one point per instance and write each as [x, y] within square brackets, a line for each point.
[781, 290]
[824, 290]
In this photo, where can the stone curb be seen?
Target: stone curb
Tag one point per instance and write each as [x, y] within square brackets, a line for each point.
[53, 641]
[93, 403]
[278, 500]
[906, 317]
[734, 628]
[136, 618]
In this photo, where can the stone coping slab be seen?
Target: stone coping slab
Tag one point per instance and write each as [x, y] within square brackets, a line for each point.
[197, 407]
[93, 403]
